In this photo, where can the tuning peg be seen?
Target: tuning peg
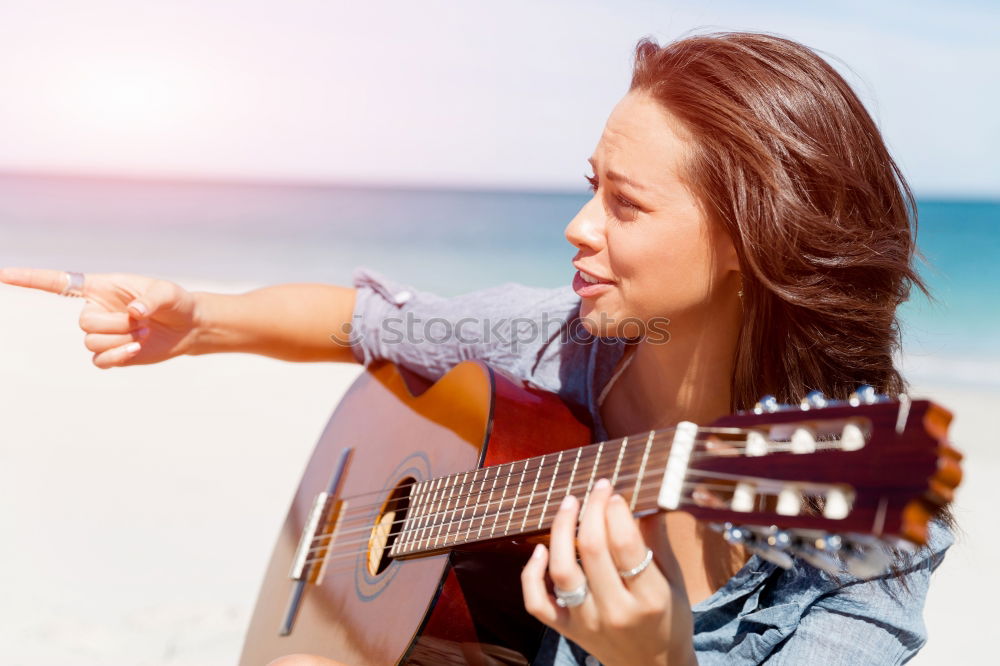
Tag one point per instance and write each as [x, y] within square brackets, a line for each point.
[821, 552]
[756, 444]
[777, 538]
[864, 555]
[862, 541]
[852, 437]
[829, 543]
[867, 563]
[866, 395]
[789, 501]
[766, 405]
[838, 503]
[744, 495]
[770, 545]
[778, 557]
[735, 534]
[803, 440]
[769, 405]
[813, 400]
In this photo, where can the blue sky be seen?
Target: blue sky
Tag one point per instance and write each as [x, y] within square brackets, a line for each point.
[511, 94]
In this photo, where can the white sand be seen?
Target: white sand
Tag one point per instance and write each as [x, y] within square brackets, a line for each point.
[138, 505]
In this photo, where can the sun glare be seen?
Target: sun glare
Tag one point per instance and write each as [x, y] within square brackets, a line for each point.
[131, 98]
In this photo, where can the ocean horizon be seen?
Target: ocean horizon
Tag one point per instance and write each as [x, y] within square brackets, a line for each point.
[438, 239]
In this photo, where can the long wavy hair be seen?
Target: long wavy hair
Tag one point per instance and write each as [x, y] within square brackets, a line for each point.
[787, 158]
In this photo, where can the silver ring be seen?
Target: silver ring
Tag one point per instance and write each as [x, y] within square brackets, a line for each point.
[74, 285]
[571, 598]
[638, 569]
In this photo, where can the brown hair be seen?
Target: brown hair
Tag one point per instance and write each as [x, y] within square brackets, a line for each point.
[789, 161]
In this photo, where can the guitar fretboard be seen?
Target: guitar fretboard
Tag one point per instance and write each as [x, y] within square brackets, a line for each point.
[523, 496]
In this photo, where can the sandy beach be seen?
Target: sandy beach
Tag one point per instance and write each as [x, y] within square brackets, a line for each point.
[138, 505]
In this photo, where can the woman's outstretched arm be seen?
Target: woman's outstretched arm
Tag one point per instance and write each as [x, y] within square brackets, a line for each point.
[293, 322]
[132, 319]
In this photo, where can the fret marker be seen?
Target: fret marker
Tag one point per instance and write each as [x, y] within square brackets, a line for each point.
[677, 465]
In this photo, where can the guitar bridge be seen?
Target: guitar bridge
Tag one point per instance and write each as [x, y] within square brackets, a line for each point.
[317, 538]
[320, 526]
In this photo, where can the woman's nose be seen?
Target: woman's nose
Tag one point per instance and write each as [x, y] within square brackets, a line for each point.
[586, 230]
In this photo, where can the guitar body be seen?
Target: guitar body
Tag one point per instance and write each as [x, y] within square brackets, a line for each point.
[458, 606]
[421, 503]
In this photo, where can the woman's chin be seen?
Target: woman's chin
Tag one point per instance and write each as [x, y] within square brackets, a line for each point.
[598, 322]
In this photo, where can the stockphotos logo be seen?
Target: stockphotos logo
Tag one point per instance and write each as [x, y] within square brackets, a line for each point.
[511, 333]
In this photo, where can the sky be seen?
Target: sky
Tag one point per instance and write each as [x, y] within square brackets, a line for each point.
[509, 94]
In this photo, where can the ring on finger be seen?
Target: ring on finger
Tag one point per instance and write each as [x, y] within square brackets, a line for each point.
[571, 598]
[639, 568]
[74, 285]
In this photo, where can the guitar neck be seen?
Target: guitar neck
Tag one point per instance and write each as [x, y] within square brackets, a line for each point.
[522, 497]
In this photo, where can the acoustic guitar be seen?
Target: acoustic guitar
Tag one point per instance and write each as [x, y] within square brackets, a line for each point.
[422, 501]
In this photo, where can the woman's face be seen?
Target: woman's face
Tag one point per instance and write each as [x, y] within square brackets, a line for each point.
[642, 235]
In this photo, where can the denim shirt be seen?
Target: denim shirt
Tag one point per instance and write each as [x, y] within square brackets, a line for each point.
[763, 614]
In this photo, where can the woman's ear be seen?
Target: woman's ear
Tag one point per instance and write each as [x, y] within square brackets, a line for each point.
[730, 258]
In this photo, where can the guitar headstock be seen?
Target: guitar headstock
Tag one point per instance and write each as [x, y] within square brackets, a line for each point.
[829, 481]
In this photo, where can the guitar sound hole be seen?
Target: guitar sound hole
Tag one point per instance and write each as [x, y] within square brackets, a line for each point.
[387, 525]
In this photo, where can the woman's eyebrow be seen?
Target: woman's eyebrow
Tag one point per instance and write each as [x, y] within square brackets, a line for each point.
[620, 177]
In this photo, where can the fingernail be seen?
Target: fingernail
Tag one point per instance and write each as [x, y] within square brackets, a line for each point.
[603, 484]
[538, 552]
[567, 502]
[139, 307]
[132, 347]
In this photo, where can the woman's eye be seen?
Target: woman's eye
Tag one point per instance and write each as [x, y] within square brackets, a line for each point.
[621, 200]
[626, 203]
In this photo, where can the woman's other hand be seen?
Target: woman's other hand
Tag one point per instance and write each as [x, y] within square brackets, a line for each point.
[643, 619]
[128, 319]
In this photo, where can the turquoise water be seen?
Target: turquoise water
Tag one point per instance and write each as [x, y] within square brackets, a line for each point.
[961, 242]
[444, 241]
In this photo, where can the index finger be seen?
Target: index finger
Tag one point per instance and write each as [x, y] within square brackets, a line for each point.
[45, 279]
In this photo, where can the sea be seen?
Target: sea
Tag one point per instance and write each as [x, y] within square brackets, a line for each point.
[447, 241]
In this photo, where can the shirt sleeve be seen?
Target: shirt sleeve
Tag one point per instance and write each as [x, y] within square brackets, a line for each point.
[872, 621]
[513, 327]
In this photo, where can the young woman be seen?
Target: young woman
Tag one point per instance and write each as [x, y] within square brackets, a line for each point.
[745, 201]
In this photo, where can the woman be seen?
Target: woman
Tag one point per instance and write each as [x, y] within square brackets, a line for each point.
[744, 197]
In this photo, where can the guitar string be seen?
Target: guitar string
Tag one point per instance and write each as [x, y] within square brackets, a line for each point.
[370, 525]
[364, 512]
[725, 449]
[637, 438]
[420, 537]
[332, 565]
[511, 513]
[424, 532]
[348, 548]
[450, 504]
[337, 555]
[451, 494]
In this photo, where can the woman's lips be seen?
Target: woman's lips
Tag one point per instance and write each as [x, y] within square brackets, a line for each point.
[589, 289]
